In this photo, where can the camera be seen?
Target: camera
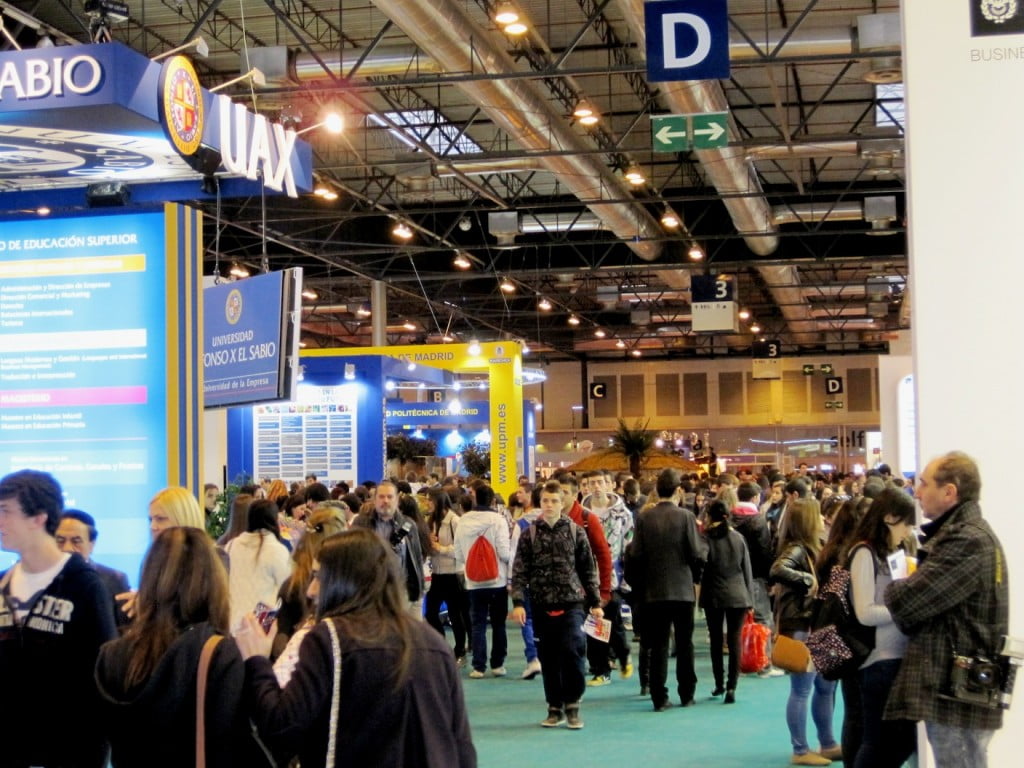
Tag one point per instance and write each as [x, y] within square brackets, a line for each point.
[399, 534]
[986, 682]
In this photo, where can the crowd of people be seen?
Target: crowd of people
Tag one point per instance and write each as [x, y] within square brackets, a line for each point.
[318, 624]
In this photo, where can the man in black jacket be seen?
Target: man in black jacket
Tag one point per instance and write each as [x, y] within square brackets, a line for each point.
[77, 533]
[664, 564]
[54, 616]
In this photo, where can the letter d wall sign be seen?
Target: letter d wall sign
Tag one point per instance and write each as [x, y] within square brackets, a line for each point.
[687, 39]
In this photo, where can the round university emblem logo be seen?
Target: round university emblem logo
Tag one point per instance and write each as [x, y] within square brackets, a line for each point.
[998, 11]
[233, 306]
[181, 105]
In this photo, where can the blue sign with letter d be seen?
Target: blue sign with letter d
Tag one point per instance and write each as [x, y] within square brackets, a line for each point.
[687, 39]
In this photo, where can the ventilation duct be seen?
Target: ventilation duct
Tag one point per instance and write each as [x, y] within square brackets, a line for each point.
[804, 213]
[880, 32]
[880, 212]
[446, 33]
[279, 64]
[560, 222]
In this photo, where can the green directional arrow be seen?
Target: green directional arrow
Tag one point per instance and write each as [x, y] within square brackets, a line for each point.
[709, 130]
[670, 133]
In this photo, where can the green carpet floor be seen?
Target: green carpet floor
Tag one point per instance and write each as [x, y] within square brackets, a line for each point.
[623, 730]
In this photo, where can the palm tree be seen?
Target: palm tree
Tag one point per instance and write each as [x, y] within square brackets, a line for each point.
[633, 443]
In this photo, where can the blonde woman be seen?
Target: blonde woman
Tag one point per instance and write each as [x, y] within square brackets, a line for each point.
[172, 507]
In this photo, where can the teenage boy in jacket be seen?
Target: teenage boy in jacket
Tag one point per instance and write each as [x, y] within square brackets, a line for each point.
[55, 614]
[553, 561]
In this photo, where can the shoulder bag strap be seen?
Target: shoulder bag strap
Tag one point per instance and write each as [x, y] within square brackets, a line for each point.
[201, 675]
[332, 728]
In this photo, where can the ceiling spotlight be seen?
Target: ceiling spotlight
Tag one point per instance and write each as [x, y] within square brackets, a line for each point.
[447, 338]
[506, 14]
[669, 220]
[409, 326]
[411, 366]
[585, 113]
[308, 293]
[620, 344]
[238, 270]
[573, 320]
[461, 261]
[363, 311]
[755, 328]
[544, 304]
[474, 347]
[516, 28]
[696, 253]
[600, 333]
[402, 231]
[635, 176]
[507, 286]
[43, 210]
[744, 314]
[636, 353]
[332, 122]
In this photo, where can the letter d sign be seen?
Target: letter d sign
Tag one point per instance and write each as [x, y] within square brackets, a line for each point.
[687, 39]
[833, 385]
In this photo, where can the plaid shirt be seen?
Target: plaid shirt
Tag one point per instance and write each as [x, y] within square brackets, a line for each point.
[958, 598]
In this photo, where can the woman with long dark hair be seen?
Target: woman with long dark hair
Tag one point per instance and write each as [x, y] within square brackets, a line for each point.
[882, 531]
[794, 572]
[147, 678]
[379, 686]
[444, 584]
[259, 561]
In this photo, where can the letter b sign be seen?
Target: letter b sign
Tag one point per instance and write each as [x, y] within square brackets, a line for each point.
[687, 39]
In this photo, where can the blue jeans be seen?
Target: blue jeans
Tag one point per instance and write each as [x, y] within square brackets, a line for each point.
[885, 743]
[822, 706]
[488, 604]
[562, 655]
[529, 643]
[958, 747]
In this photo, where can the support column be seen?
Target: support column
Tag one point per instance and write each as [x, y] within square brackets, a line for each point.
[379, 308]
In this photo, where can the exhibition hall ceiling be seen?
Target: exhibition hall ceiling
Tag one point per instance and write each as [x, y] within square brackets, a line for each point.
[466, 134]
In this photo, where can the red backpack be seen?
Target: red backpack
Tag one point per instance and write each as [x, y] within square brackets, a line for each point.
[481, 560]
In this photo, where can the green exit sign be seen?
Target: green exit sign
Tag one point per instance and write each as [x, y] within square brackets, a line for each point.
[680, 133]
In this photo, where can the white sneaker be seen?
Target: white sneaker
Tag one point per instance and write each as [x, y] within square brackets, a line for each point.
[532, 669]
[499, 671]
[476, 674]
[771, 672]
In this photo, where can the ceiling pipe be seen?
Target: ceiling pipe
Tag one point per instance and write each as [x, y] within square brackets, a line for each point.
[802, 213]
[446, 33]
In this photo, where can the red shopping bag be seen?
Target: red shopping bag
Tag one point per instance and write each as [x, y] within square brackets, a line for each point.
[753, 645]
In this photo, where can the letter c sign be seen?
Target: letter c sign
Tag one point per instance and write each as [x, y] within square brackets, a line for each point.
[687, 39]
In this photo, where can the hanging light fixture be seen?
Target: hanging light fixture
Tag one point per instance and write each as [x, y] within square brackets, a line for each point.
[755, 328]
[634, 175]
[573, 320]
[600, 333]
[620, 344]
[309, 293]
[238, 270]
[696, 253]
[461, 261]
[636, 353]
[744, 314]
[507, 286]
[506, 14]
[402, 231]
[669, 219]
[585, 113]
[544, 305]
